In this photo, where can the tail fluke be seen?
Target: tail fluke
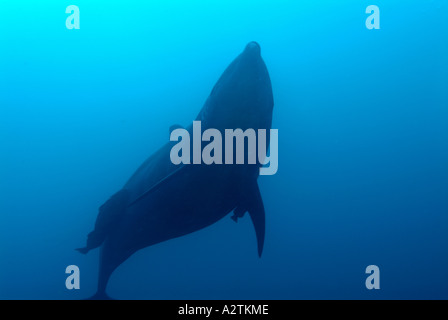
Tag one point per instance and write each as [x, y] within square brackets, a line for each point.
[100, 296]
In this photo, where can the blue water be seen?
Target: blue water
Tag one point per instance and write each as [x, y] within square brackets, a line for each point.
[363, 145]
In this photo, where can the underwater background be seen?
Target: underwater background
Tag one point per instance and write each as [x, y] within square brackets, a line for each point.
[362, 117]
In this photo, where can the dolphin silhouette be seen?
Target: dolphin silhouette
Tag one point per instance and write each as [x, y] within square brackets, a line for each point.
[162, 201]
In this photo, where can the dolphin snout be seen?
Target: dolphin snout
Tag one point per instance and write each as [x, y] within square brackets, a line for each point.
[253, 48]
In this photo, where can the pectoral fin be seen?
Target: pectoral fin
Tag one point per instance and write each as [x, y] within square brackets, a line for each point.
[256, 212]
[238, 213]
[252, 203]
[109, 216]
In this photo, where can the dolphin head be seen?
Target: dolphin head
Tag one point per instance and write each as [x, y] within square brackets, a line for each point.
[253, 49]
[242, 97]
[249, 64]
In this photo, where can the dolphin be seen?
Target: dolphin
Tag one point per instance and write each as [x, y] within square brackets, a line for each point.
[162, 201]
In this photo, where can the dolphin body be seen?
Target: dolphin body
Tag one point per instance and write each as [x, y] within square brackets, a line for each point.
[162, 201]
